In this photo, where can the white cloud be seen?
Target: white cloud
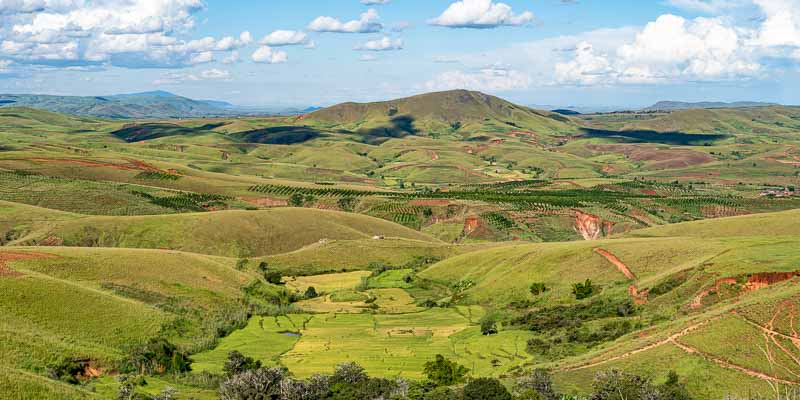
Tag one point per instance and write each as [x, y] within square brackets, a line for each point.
[267, 55]
[367, 23]
[781, 26]
[374, 2]
[586, 68]
[215, 73]
[367, 58]
[383, 44]
[129, 33]
[202, 57]
[285, 38]
[492, 78]
[668, 49]
[480, 14]
[4, 66]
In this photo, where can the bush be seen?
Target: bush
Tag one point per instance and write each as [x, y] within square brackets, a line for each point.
[485, 389]
[315, 388]
[618, 385]
[538, 288]
[238, 363]
[348, 373]
[65, 370]
[157, 357]
[444, 372]
[259, 384]
[537, 385]
[488, 326]
[583, 290]
[311, 293]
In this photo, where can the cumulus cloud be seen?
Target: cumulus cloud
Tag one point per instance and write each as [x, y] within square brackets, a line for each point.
[129, 33]
[493, 78]
[285, 38]
[367, 23]
[781, 26]
[668, 49]
[480, 14]
[267, 55]
[383, 44]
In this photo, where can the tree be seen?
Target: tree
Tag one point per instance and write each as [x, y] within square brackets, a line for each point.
[444, 372]
[672, 389]
[618, 385]
[538, 288]
[271, 276]
[485, 389]
[238, 363]
[349, 373]
[296, 200]
[488, 326]
[583, 290]
[537, 385]
[311, 293]
[258, 384]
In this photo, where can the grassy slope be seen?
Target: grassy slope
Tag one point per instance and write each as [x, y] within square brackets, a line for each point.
[229, 233]
[102, 300]
[785, 223]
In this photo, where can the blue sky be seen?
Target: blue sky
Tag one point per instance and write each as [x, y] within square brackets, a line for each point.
[617, 53]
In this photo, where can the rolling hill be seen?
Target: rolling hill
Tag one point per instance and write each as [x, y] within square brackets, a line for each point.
[461, 112]
[681, 105]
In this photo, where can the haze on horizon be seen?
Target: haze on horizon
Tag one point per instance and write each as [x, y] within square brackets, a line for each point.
[556, 52]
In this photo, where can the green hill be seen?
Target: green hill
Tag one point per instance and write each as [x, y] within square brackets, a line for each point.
[225, 233]
[462, 112]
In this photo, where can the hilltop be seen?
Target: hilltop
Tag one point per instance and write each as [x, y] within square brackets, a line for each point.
[452, 112]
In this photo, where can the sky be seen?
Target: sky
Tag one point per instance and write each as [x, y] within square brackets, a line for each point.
[589, 53]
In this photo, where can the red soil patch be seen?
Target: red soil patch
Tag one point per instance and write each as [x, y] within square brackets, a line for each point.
[429, 202]
[354, 179]
[7, 257]
[471, 224]
[608, 169]
[656, 158]
[617, 263]
[433, 155]
[754, 282]
[133, 165]
[588, 225]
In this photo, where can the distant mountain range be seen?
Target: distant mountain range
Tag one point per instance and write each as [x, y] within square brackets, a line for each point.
[681, 105]
[146, 105]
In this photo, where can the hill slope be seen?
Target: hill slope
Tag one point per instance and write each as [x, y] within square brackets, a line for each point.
[460, 111]
[225, 233]
[682, 105]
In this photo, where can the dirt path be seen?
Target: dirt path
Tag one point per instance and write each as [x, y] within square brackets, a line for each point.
[651, 346]
[617, 263]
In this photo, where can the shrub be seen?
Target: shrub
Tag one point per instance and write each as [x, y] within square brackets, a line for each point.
[259, 384]
[238, 363]
[315, 388]
[311, 293]
[488, 326]
[348, 373]
[537, 385]
[296, 200]
[65, 370]
[444, 372]
[157, 357]
[538, 288]
[618, 385]
[583, 290]
[485, 389]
